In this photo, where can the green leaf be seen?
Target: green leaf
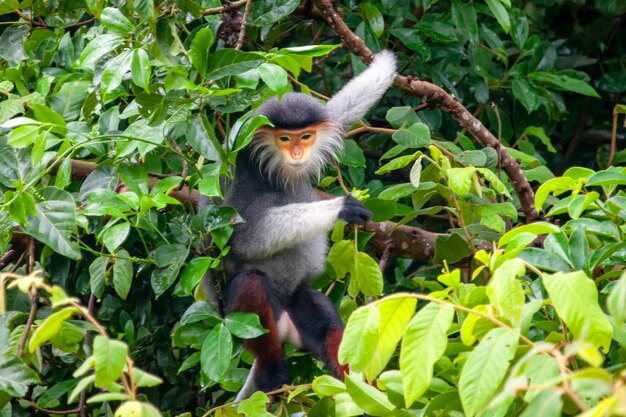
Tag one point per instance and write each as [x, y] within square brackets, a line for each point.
[539, 133]
[201, 137]
[496, 183]
[55, 222]
[394, 316]
[360, 338]
[23, 136]
[424, 343]
[52, 395]
[548, 403]
[244, 325]
[255, 405]
[9, 6]
[193, 273]
[341, 257]
[115, 70]
[416, 173]
[112, 19]
[47, 115]
[69, 100]
[367, 275]
[110, 357]
[225, 62]
[527, 94]
[374, 18]
[169, 258]
[616, 301]
[274, 77]
[607, 178]
[308, 50]
[326, 385]
[145, 379]
[129, 408]
[246, 130]
[575, 299]
[465, 20]
[460, 179]
[200, 46]
[368, 398]
[12, 42]
[270, 11]
[396, 163]
[563, 82]
[97, 275]
[538, 228]
[216, 352]
[112, 237]
[500, 13]
[397, 191]
[15, 376]
[49, 327]
[382, 210]
[140, 69]
[415, 136]
[485, 369]
[505, 291]
[122, 273]
[351, 154]
[97, 48]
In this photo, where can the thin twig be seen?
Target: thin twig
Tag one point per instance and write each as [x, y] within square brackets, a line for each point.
[184, 161]
[223, 9]
[384, 258]
[47, 411]
[340, 178]
[83, 395]
[34, 298]
[613, 137]
[567, 389]
[242, 31]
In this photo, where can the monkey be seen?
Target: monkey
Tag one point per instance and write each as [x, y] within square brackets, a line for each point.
[281, 246]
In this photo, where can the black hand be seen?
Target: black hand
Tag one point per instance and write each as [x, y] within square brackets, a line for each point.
[353, 211]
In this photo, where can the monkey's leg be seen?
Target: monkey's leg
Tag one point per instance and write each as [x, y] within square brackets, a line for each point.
[253, 292]
[319, 326]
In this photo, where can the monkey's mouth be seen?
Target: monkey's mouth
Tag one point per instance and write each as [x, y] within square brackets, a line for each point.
[297, 164]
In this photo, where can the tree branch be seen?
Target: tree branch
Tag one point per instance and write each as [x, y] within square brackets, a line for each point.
[437, 96]
[408, 241]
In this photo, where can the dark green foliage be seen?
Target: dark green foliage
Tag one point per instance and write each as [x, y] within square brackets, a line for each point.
[111, 112]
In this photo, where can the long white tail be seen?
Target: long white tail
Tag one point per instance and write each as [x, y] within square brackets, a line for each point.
[354, 100]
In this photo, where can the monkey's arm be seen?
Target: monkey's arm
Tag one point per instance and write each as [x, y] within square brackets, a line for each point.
[285, 226]
[354, 100]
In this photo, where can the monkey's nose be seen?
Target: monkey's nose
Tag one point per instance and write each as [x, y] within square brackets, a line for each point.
[296, 153]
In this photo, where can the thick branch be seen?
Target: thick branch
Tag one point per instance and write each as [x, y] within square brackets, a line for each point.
[435, 95]
[408, 241]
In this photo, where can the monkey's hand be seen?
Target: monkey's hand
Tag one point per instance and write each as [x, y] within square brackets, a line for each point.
[353, 211]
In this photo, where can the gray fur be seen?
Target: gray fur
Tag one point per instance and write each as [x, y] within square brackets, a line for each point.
[293, 111]
[354, 100]
[286, 227]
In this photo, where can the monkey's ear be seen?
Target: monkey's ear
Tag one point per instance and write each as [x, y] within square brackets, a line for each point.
[354, 100]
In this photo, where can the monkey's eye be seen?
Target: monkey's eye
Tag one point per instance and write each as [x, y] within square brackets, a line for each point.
[306, 136]
[284, 138]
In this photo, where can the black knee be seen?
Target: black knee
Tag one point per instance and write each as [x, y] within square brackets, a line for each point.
[272, 375]
[315, 316]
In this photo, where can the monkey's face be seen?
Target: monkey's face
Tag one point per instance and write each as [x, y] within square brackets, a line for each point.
[295, 145]
[288, 155]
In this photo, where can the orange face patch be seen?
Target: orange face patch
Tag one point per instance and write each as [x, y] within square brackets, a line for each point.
[295, 144]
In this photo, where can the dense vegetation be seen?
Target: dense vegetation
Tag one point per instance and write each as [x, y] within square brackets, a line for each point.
[490, 282]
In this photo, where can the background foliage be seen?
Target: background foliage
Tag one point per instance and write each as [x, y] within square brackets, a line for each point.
[109, 108]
